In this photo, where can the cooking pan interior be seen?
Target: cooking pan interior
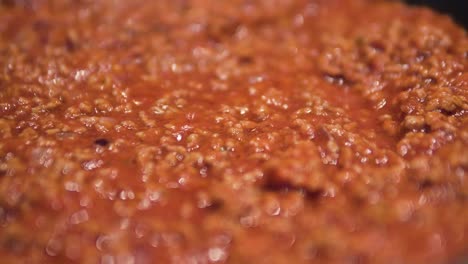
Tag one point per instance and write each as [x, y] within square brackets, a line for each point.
[457, 9]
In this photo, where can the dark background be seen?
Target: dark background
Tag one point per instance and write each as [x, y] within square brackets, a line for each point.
[458, 9]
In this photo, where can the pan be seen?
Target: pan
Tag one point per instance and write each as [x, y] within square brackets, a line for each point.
[457, 9]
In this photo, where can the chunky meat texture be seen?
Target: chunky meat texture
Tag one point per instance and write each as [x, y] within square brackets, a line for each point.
[206, 131]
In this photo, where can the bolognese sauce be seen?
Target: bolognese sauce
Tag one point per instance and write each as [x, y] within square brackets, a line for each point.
[237, 131]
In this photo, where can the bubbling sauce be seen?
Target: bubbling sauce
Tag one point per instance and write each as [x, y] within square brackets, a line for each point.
[205, 131]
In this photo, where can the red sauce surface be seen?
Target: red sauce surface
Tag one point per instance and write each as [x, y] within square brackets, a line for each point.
[236, 131]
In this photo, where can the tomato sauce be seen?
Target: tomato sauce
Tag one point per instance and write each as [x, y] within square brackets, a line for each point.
[204, 131]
